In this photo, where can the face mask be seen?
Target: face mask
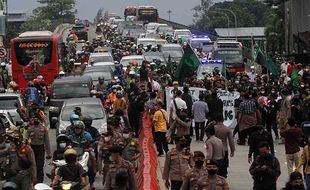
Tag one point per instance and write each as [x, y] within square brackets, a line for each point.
[126, 136]
[273, 92]
[199, 163]
[62, 145]
[106, 139]
[212, 172]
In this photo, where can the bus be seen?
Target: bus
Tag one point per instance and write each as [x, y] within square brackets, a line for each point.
[130, 11]
[230, 51]
[36, 53]
[147, 14]
[203, 42]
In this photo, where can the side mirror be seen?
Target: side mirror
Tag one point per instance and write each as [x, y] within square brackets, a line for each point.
[19, 123]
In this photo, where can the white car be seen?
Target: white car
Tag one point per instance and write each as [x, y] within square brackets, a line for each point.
[125, 61]
[150, 28]
[184, 32]
[100, 57]
[146, 41]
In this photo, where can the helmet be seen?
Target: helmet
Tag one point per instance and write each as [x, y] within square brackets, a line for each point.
[119, 94]
[9, 185]
[132, 72]
[36, 81]
[70, 151]
[78, 124]
[2, 64]
[62, 73]
[74, 117]
[40, 77]
[72, 60]
[62, 137]
[88, 121]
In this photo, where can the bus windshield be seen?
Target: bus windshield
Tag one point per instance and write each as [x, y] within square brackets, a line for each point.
[33, 51]
[130, 12]
[229, 56]
[147, 14]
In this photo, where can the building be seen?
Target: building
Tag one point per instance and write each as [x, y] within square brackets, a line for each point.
[297, 29]
[17, 18]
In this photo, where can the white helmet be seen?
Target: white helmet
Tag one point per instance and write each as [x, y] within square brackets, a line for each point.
[132, 72]
[61, 73]
[72, 60]
[40, 77]
[2, 64]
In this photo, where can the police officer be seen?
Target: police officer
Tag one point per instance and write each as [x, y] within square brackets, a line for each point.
[212, 181]
[177, 162]
[192, 175]
[104, 144]
[119, 164]
[215, 149]
[131, 150]
[4, 75]
[20, 165]
[40, 143]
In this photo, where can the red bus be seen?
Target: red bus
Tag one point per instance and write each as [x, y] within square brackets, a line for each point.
[147, 13]
[36, 53]
[130, 11]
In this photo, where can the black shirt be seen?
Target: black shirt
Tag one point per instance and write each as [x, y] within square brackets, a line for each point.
[71, 172]
[273, 108]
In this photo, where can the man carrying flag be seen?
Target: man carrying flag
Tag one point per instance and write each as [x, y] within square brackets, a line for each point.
[188, 65]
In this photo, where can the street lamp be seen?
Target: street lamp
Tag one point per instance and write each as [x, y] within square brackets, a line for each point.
[169, 13]
[235, 17]
[228, 21]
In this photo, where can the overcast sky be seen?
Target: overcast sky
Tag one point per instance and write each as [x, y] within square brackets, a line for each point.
[87, 9]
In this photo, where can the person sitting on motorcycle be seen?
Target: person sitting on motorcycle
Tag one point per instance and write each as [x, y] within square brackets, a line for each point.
[119, 72]
[70, 128]
[80, 137]
[71, 172]
[111, 98]
[89, 128]
[120, 102]
[101, 86]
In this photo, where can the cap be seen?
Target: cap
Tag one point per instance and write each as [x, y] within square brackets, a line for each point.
[199, 154]
[211, 162]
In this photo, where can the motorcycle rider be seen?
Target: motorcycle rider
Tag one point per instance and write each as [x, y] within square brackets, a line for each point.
[80, 137]
[70, 128]
[88, 121]
[17, 161]
[40, 143]
[72, 171]
[101, 86]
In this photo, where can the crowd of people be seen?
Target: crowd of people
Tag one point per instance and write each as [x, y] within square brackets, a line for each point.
[267, 106]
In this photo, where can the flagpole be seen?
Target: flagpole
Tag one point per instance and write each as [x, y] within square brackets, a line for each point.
[266, 55]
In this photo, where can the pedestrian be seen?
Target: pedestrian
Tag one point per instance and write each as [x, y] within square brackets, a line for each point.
[40, 143]
[247, 118]
[215, 105]
[212, 181]
[272, 112]
[200, 110]
[118, 164]
[196, 172]
[296, 182]
[186, 96]
[304, 162]
[160, 121]
[215, 149]
[258, 136]
[225, 135]
[121, 179]
[292, 137]
[176, 164]
[265, 169]
[177, 105]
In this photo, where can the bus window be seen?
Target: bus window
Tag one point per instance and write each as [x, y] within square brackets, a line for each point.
[147, 14]
[36, 51]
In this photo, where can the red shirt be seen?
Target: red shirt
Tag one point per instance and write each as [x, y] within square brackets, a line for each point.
[292, 137]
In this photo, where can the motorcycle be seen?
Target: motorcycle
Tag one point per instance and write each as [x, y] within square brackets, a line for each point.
[83, 161]
[65, 185]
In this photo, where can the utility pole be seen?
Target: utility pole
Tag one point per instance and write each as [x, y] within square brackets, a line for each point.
[169, 13]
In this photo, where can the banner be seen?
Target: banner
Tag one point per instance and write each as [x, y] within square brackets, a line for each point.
[229, 114]
[193, 90]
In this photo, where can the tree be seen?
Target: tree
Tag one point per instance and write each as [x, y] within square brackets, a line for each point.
[99, 15]
[50, 15]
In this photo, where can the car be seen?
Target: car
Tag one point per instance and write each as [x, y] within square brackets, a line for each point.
[174, 51]
[156, 57]
[179, 32]
[81, 32]
[125, 61]
[91, 107]
[164, 30]
[100, 57]
[103, 64]
[99, 71]
[66, 88]
[150, 28]
[6, 120]
[132, 34]
[146, 41]
[7, 103]
[203, 42]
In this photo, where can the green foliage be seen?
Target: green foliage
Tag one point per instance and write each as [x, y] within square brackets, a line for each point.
[250, 13]
[50, 14]
[99, 15]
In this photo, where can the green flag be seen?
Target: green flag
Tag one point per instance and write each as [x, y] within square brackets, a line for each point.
[294, 81]
[259, 57]
[188, 65]
[272, 68]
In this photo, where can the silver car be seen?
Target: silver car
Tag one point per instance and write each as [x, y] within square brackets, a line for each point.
[7, 103]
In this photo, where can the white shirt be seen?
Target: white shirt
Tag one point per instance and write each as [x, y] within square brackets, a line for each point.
[181, 104]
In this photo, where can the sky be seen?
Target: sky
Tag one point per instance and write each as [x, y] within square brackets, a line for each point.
[181, 9]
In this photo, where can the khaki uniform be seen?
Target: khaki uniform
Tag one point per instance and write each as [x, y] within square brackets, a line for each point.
[131, 149]
[214, 148]
[192, 176]
[219, 183]
[176, 164]
[115, 168]
[103, 157]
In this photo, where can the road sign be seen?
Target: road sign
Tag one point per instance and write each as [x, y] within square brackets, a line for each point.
[3, 52]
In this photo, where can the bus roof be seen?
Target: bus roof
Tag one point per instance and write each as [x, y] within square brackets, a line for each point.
[146, 7]
[131, 7]
[36, 34]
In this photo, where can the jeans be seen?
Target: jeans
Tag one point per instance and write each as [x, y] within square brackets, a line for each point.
[176, 185]
[199, 130]
[161, 142]
[292, 160]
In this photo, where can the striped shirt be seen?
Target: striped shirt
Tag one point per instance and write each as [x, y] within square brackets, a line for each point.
[247, 107]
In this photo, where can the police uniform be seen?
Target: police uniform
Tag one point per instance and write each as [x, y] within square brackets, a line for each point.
[191, 177]
[115, 168]
[39, 141]
[219, 183]
[103, 156]
[176, 164]
[215, 151]
[130, 150]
